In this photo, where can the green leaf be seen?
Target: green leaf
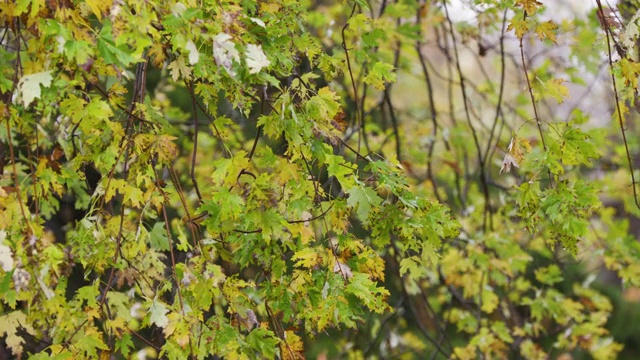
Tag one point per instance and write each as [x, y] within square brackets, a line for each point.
[363, 199]
[264, 342]
[158, 237]
[158, 314]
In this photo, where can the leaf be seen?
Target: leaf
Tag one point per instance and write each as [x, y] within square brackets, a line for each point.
[124, 344]
[158, 237]
[80, 51]
[367, 291]
[549, 275]
[108, 50]
[557, 90]
[9, 326]
[362, 199]
[379, 74]
[179, 69]
[307, 258]
[264, 342]
[29, 86]
[530, 6]
[158, 314]
[98, 7]
[256, 59]
[546, 30]
[519, 26]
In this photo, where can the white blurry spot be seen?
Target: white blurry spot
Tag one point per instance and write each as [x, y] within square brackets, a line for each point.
[252, 320]
[178, 9]
[306, 216]
[187, 279]
[469, 210]
[394, 340]
[115, 10]
[224, 52]
[48, 292]
[21, 279]
[61, 41]
[194, 56]
[33, 240]
[343, 269]
[258, 22]
[330, 29]
[256, 59]
[6, 258]
[147, 353]
[141, 355]
[325, 290]
[136, 311]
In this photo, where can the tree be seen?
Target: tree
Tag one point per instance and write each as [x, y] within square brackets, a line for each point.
[285, 179]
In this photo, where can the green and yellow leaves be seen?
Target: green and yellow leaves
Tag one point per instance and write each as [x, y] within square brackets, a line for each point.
[554, 88]
[380, 74]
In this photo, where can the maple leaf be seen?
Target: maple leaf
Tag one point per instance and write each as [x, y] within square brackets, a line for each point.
[29, 86]
[362, 199]
[529, 6]
[9, 325]
[98, 7]
[158, 314]
[256, 59]
[179, 68]
[158, 237]
[379, 74]
[519, 26]
[546, 30]
[557, 90]
[307, 257]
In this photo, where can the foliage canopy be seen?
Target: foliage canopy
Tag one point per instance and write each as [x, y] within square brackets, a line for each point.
[290, 179]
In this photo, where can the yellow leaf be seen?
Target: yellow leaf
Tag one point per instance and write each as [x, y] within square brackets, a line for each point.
[557, 90]
[546, 30]
[98, 7]
[519, 26]
[9, 325]
[530, 6]
[308, 258]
